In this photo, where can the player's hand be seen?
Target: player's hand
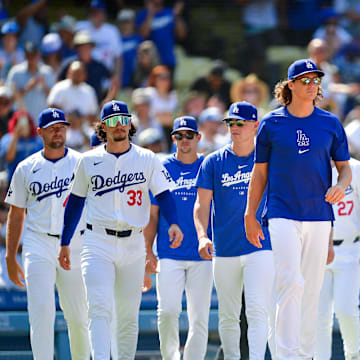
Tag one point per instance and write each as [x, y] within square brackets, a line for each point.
[151, 263]
[175, 235]
[253, 231]
[331, 254]
[335, 194]
[147, 282]
[15, 272]
[64, 257]
[205, 248]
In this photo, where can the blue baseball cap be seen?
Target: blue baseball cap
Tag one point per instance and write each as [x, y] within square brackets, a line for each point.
[242, 110]
[51, 43]
[51, 116]
[95, 140]
[185, 123]
[301, 67]
[113, 108]
[212, 114]
[97, 4]
[10, 27]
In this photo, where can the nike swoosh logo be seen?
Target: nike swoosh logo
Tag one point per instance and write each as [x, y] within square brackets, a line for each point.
[36, 170]
[97, 163]
[242, 166]
[303, 151]
[184, 173]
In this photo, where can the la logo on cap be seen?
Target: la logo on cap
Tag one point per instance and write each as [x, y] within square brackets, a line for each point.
[55, 114]
[235, 109]
[309, 64]
[115, 106]
[183, 122]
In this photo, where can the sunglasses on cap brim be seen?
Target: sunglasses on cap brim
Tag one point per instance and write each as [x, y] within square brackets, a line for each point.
[122, 119]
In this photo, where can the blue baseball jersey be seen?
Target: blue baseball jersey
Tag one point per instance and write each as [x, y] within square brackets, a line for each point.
[162, 33]
[184, 193]
[298, 152]
[228, 176]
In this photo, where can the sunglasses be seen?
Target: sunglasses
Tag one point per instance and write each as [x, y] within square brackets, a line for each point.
[239, 123]
[189, 136]
[122, 119]
[307, 81]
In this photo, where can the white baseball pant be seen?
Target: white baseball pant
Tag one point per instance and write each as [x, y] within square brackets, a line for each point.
[175, 276]
[339, 293]
[113, 268]
[254, 272]
[300, 251]
[42, 272]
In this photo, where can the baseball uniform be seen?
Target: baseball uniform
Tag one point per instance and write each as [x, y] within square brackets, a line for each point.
[340, 289]
[182, 269]
[41, 186]
[237, 263]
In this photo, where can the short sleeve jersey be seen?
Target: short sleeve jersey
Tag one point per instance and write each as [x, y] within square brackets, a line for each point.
[117, 187]
[298, 152]
[42, 187]
[184, 193]
[228, 176]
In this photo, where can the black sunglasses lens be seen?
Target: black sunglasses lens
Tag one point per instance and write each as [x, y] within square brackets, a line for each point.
[190, 136]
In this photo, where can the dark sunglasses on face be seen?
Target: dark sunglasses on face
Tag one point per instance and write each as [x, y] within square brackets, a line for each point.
[239, 123]
[189, 136]
[307, 81]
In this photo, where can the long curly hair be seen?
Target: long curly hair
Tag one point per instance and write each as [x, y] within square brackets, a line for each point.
[102, 134]
[283, 93]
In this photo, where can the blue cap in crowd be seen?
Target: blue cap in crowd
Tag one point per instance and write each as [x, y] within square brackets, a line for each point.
[95, 140]
[301, 67]
[51, 43]
[10, 27]
[242, 110]
[212, 114]
[185, 123]
[97, 4]
[113, 108]
[51, 116]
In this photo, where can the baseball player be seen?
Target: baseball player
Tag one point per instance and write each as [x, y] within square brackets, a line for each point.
[293, 150]
[223, 180]
[37, 193]
[115, 179]
[340, 289]
[181, 268]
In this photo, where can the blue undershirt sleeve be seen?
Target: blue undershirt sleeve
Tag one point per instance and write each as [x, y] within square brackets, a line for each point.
[73, 210]
[167, 206]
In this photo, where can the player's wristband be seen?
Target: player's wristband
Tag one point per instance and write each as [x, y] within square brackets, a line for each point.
[72, 216]
[167, 206]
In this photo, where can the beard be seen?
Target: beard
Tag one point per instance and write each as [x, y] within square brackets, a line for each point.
[57, 144]
[120, 137]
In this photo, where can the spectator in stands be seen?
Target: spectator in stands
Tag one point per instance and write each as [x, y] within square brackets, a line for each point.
[147, 58]
[31, 81]
[98, 75]
[210, 121]
[162, 25]
[193, 104]
[32, 19]
[252, 90]
[77, 135]
[10, 53]
[20, 141]
[214, 83]
[152, 139]
[51, 51]
[141, 116]
[332, 32]
[65, 27]
[107, 39]
[6, 110]
[130, 41]
[74, 94]
[164, 100]
[349, 11]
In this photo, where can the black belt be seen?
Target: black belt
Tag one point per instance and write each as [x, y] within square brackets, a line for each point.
[59, 236]
[124, 233]
[339, 242]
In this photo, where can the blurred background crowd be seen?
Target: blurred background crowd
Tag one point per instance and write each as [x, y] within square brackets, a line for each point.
[165, 59]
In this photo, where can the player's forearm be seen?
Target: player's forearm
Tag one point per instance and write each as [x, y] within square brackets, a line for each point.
[345, 175]
[14, 230]
[150, 230]
[201, 218]
[256, 189]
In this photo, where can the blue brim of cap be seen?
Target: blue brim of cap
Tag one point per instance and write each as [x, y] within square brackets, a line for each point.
[237, 118]
[56, 122]
[319, 72]
[184, 128]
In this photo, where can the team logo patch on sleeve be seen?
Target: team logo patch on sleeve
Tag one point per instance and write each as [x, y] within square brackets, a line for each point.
[167, 175]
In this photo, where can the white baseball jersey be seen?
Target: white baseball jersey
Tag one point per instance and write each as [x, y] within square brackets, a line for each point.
[42, 186]
[117, 188]
[347, 213]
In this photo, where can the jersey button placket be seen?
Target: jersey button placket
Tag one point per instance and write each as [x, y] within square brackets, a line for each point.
[53, 204]
[118, 196]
